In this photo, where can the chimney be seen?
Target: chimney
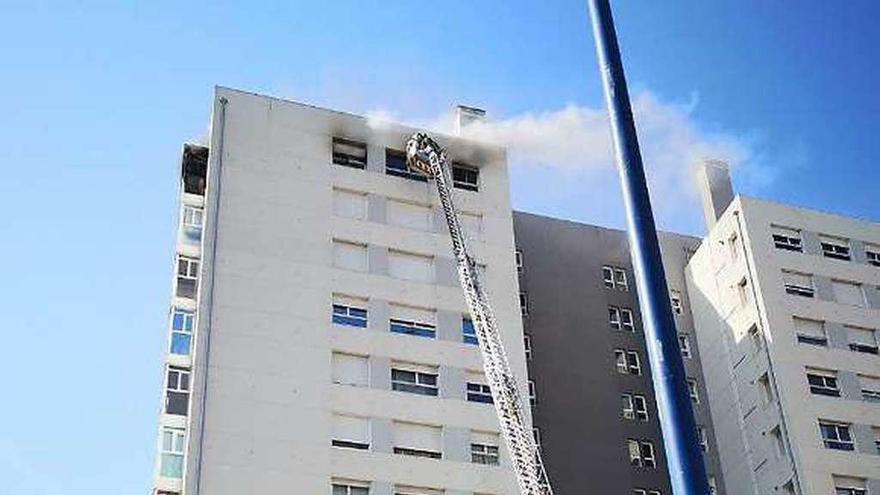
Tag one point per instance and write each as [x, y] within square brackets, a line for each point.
[465, 115]
[716, 190]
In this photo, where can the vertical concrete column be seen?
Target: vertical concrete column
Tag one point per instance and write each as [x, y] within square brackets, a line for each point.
[378, 314]
[864, 438]
[445, 271]
[380, 372]
[837, 338]
[376, 208]
[449, 326]
[872, 296]
[456, 444]
[849, 385]
[375, 158]
[377, 259]
[811, 243]
[857, 251]
[824, 290]
[452, 383]
[381, 435]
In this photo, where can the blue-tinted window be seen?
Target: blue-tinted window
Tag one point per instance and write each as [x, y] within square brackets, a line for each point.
[350, 316]
[413, 328]
[468, 332]
[181, 332]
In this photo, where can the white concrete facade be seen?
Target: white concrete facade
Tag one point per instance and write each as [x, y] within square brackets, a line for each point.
[768, 311]
[288, 235]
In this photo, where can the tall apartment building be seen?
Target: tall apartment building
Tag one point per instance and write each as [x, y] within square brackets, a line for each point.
[593, 403]
[786, 303]
[318, 338]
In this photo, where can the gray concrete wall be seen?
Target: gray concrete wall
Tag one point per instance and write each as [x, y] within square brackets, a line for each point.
[578, 410]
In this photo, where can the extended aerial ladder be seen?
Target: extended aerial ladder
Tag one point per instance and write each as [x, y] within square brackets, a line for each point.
[425, 155]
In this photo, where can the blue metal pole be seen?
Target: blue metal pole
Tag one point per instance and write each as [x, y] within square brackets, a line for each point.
[683, 454]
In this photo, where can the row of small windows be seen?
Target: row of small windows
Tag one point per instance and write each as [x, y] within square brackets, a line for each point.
[412, 439]
[353, 370]
[838, 248]
[353, 154]
[825, 382]
[843, 291]
[813, 332]
[420, 326]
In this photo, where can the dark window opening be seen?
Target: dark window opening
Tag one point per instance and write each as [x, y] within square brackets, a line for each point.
[465, 177]
[194, 170]
[395, 164]
[349, 153]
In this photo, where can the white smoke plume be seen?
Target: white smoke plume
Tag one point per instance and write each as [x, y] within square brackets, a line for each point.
[573, 144]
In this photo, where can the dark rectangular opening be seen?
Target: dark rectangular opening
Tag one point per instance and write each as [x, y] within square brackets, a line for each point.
[194, 170]
[465, 177]
[349, 153]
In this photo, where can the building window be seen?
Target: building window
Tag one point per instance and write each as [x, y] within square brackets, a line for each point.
[349, 255]
[536, 435]
[848, 489]
[414, 382]
[835, 248]
[704, 439]
[533, 393]
[621, 318]
[349, 316]
[766, 391]
[872, 255]
[479, 392]
[836, 435]
[351, 432]
[798, 284]
[642, 491]
[468, 332]
[862, 339]
[413, 328]
[395, 164]
[870, 387]
[675, 300]
[350, 369]
[409, 215]
[181, 331]
[742, 290]
[527, 345]
[465, 177]
[350, 204]
[755, 337]
[634, 407]
[627, 362]
[346, 489]
[417, 440]
[787, 239]
[693, 391]
[412, 321]
[641, 453]
[776, 434]
[187, 276]
[192, 223]
[823, 383]
[733, 247]
[614, 317]
[523, 303]
[177, 386]
[195, 169]
[171, 452]
[349, 153]
[811, 332]
[685, 345]
[410, 266]
[849, 293]
[484, 454]
[518, 256]
[614, 278]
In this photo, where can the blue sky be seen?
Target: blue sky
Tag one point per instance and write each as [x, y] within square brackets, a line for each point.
[99, 96]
